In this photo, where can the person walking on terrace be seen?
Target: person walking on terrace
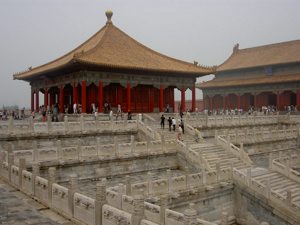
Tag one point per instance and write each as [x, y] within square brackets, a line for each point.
[162, 121]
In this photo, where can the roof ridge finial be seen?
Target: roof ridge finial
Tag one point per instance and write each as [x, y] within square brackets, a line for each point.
[108, 14]
[236, 48]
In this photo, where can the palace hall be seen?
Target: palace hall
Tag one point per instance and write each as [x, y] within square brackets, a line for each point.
[113, 68]
[266, 75]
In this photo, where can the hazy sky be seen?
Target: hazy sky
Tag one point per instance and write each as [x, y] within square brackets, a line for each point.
[34, 32]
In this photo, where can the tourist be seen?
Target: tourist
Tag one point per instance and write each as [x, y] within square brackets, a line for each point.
[111, 115]
[75, 108]
[181, 114]
[174, 123]
[119, 112]
[167, 108]
[179, 134]
[162, 121]
[170, 123]
[55, 113]
[182, 126]
[129, 116]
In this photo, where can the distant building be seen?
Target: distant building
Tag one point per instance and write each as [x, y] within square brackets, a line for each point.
[113, 68]
[259, 76]
[188, 105]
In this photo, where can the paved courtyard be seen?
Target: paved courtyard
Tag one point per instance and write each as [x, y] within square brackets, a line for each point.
[18, 209]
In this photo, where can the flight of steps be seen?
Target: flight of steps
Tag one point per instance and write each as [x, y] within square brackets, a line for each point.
[211, 152]
[153, 121]
[278, 182]
[215, 154]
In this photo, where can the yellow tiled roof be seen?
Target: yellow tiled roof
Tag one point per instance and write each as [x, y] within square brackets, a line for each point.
[110, 47]
[273, 54]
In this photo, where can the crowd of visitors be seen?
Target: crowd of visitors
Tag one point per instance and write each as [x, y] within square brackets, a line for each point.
[16, 114]
[265, 110]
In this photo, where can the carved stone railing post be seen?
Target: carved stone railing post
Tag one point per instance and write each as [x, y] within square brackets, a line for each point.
[116, 147]
[10, 125]
[138, 209]
[51, 180]
[228, 142]
[268, 188]
[218, 170]
[128, 185]
[100, 200]
[149, 179]
[59, 151]
[270, 161]
[264, 223]
[190, 215]
[31, 124]
[203, 175]
[22, 166]
[163, 143]
[163, 206]
[49, 123]
[35, 173]
[73, 187]
[249, 176]
[289, 197]
[10, 163]
[169, 177]
[35, 151]
[224, 218]
[242, 152]
[216, 136]
[81, 119]
[66, 124]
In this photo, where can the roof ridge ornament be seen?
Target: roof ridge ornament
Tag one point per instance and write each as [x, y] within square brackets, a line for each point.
[236, 48]
[108, 14]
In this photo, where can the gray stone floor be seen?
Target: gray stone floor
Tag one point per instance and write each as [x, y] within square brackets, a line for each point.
[18, 209]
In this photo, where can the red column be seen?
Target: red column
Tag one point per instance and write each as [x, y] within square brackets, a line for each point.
[61, 99]
[75, 95]
[239, 102]
[151, 98]
[182, 99]
[161, 98]
[128, 97]
[255, 101]
[100, 96]
[32, 100]
[278, 101]
[193, 98]
[83, 96]
[224, 102]
[46, 99]
[37, 104]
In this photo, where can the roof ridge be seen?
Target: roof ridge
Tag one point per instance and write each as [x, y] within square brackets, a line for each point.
[160, 54]
[73, 51]
[268, 45]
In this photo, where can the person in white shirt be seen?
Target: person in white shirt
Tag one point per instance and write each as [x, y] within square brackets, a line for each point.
[75, 108]
[174, 123]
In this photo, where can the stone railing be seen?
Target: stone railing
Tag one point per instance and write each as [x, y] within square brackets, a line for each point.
[192, 156]
[240, 120]
[148, 131]
[80, 153]
[277, 200]
[239, 152]
[259, 136]
[79, 127]
[194, 132]
[115, 205]
[283, 166]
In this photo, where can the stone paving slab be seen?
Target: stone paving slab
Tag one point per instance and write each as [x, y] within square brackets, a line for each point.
[17, 208]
